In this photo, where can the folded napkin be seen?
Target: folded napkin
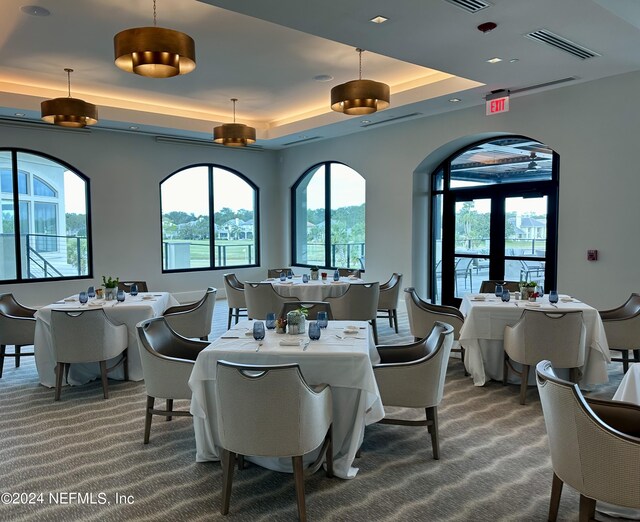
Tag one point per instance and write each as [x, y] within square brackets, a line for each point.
[92, 303]
[291, 342]
[569, 300]
[353, 277]
[270, 279]
[478, 298]
[70, 300]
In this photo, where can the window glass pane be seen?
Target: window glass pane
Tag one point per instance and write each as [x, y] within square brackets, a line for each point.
[437, 246]
[310, 218]
[186, 220]
[347, 217]
[234, 219]
[40, 188]
[8, 269]
[473, 225]
[526, 226]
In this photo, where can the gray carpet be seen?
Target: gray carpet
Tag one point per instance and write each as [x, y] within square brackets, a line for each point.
[494, 462]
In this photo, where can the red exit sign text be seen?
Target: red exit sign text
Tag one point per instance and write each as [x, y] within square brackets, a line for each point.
[497, 105]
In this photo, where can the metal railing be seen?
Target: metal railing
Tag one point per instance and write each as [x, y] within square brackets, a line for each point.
[186, 254]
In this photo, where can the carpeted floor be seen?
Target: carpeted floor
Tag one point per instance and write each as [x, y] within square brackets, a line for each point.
[88, 453]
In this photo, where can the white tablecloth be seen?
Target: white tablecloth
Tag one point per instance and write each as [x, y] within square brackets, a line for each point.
[483, 332]
[314, 290]
[130, 312]
[344, 364]
[629, 388]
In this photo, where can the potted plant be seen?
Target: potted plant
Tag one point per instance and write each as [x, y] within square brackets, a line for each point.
[110, 287]
[296, 321]
[314, 273]
[527, 289]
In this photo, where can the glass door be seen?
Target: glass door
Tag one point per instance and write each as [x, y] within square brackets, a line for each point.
[471, 261]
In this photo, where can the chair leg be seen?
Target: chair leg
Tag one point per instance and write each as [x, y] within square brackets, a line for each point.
[636, 356]
[625, 361]
[3, 348]
[587, 509]
[148, 418]
[432, 415]
[390, 314]
[17, 355]
[329, 454]
[228, 460]
[573, 375]
[375, 331]
[505, 370]
[59, 372]
[298, 475]
[523, 383]
[169, 408]
[103, 375]
[125, 363]
[556, 492]
[229, 319]
[395, 319]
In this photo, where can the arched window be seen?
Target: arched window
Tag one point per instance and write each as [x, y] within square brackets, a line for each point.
[45, 218]
[494, 215]
[328, 203]
[191, 239]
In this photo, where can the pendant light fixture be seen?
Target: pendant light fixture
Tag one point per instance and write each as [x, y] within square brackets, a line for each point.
[234, 134]
[154, 52]
[359, 97]
[69, 112]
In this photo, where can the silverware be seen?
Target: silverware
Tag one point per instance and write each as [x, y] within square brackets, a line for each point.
[306, 345]
[229, 337]
[259, 345]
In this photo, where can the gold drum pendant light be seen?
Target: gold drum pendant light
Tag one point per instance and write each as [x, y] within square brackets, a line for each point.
[359, 97]
[234, 134]
[69, 112]
[154, 52]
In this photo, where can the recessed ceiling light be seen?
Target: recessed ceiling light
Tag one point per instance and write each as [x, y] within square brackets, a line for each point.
[514, 60]
[494, 60]
[19, 114]
[323, 78]
[134, 127]
[35, 10]
[455, 100]
[365, 121]
[379, 19]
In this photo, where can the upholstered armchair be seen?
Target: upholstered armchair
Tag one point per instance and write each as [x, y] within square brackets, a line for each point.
[622, 326]
[193, 319]
[17, 329]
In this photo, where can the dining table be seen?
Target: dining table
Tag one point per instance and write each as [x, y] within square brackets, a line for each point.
[129, 312]
[314, 289]
[482, 336]
[341, 358]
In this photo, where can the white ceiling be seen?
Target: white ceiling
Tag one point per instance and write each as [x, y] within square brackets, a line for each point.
[266, 53]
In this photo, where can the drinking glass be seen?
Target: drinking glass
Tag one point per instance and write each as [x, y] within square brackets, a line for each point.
[258, 330]
[506, 296]
[553, 296]
[271, 321]
[336, 276]
[290, 274]
[499, 290]
[120, 296]
[305, 278]
[134, 289]
[540, 290]
[83, 297]
[314, 330]
[283, 276]
[91, 292]
[322, 319]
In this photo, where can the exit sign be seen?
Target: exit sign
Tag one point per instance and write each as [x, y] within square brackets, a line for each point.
[497, 105]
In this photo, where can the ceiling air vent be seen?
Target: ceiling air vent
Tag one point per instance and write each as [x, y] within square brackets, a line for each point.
[544, 36]
[389, 120]
[301, 140]
[471, 6]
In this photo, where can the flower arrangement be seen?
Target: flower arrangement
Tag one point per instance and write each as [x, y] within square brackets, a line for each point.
[314, 272]
[528, 290]
[281, 325]
[110, 282]
[296, 320]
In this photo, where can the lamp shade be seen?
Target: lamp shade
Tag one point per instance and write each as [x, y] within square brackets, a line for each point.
[234, 134]
[69, 112]
[359, 97]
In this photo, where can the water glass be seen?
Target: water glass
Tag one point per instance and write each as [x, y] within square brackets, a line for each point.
[305, 278]
[91, 292]
[336, 276]
[283, 276]
[314, 330]
[258, 330]
[499, 290]
[271, 321]
[322, 319]
[290, 274]
[553, 296]
[505, 296]
[83, 297]
[120, 296]
[540, 290]
[134, 289]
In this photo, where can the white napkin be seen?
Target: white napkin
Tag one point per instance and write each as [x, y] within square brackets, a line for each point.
[290, 342]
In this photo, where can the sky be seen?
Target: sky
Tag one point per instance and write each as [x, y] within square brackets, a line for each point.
[74, 194]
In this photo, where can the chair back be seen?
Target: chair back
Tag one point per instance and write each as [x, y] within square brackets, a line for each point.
[275, 272]
[489, 286]
[269, 410]
[423, 315]
[389, 293]
[195, 321]
[346, 272]
[86, 336]
[235, 291]
[261, 299]
[358, 303]
[17, 322]
[593, 458]
[557, 336]
[312, 307]
[126, 286]
[622, 324]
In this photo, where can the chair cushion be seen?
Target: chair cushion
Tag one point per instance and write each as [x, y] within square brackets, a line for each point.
[622, 416]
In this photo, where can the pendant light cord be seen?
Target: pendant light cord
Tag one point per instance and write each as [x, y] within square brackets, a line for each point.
[69, 71]
[360, 51]
[234, 100]
[154, 14]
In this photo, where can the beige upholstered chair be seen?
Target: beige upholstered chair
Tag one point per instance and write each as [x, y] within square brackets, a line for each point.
[167, 360]
[261, 299]
[589, 452]
[346, 272]
[275, 272]
[17, 328]
[412, 376]
[270, 411]
[622, 326]
[489, 286]
[313, 307]
[358, 303]
[423, 315]
[388, 300]
[193, 319]
[84, 337]
[557, 336]
[235, 298]
[126, 286]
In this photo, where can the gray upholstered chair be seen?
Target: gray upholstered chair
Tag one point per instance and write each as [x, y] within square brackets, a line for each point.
[275, 272]
[590, 450]
[125, 286]
[270, 411]
[193, 319]
[235, 298]
[622, 326]
[388, 300]
[489, 286]
[313, 307]
[538, 335]
[358, 303]
[412, 376]
[167, 360]
[261, 299]
[86, 336]
[17, 328]
[423, 315]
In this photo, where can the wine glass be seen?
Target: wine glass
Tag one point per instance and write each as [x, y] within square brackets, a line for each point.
[553, 296]
[322, 319]
[120, 296]
[305, 278]
[336, 276]
[290, 274]
[134, 289]
[540, 290]
[314, 330]
[506, 295]
[271, 321]
[283, 276]
[83, 297]
[91, 292]
[499, 290]
[258, 330]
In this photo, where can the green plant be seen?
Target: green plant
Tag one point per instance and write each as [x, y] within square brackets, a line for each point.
[529, 284]
[110, 282]
[314, 269]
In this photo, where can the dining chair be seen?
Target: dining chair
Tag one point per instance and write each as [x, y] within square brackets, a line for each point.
[125, 286]
[622, 327]
[86, 336]
[412, 376]
[358, 303]
[312, 307]
[590, 449]
[423, 315]
[193, 319]
[261, 298]
[538, 335]
[489, 286]
[17, 329]
[235, 298]
[388, 300]
[270, 411]
[275, 272]
[348, 272]
[464, 268]
[167, 361]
